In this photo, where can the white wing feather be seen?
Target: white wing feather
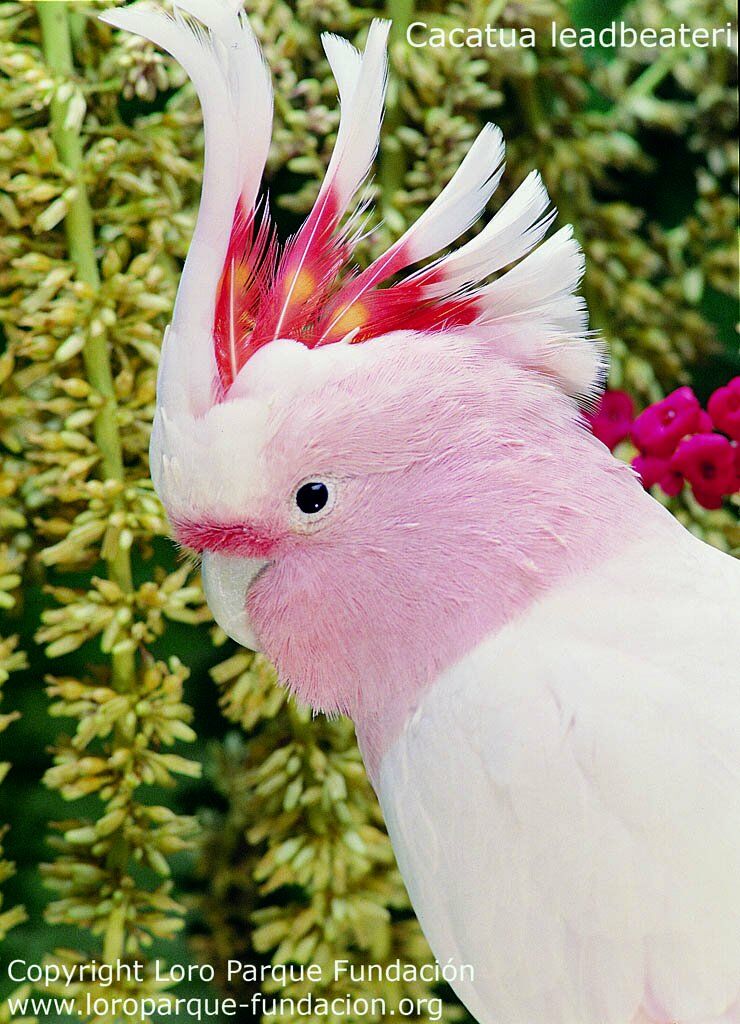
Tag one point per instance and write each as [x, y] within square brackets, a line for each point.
[565, 805]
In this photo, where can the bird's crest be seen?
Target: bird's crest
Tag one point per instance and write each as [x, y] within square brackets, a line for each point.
[240, 289]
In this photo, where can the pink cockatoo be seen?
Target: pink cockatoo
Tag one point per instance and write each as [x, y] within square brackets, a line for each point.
[396, 499]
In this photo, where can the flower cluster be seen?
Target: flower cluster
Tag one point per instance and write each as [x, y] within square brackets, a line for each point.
[98, 860]
[11, 659]
[13, 547]
[678, 442]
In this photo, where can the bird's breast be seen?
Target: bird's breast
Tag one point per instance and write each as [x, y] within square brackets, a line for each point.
[563, 801]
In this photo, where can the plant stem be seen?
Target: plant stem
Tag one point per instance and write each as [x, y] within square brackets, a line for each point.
[392, 170]
[78, 224]
[646, 83]
[400, 12]
[57, 44]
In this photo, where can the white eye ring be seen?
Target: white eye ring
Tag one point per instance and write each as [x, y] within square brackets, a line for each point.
[313, 500]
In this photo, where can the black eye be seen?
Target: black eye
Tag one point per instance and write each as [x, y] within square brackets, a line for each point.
[312, 497]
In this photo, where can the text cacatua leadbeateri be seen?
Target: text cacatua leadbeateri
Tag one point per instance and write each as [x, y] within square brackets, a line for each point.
[421, 34]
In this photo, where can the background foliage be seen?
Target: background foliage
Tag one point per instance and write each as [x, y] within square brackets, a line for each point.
[165, 799]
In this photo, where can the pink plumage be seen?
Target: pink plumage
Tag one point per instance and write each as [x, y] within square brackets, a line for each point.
[418, 530]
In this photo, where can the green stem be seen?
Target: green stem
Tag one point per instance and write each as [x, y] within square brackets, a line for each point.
[57, 44]
[392, 170]
[646, 83]
[81, 244]
[400, 12]
[493, 12]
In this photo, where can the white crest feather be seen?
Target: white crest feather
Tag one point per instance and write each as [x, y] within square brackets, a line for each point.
[459, 204]
[538, 296]
[517, 227]
[542, 280]
[245, 70]
[225, 64]
[534, 302]
[345, 61]
[462, 201]
[362, 82]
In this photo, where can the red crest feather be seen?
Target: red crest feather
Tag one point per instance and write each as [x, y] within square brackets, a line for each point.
[309, 291]
[242, 291]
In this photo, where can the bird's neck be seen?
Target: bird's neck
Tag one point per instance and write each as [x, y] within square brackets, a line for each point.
[595, 511]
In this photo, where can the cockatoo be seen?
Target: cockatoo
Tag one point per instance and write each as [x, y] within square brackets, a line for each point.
[396, 499]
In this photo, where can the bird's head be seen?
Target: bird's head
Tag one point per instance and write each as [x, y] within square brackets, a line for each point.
[376, 475]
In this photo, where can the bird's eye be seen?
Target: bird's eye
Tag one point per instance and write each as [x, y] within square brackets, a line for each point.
[312, 497]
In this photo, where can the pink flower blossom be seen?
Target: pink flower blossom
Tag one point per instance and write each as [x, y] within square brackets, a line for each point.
[658, 429]
[705, 424]
[708, 463]
[724, 409]
[612, 419]
[654, 470]
[707, 499]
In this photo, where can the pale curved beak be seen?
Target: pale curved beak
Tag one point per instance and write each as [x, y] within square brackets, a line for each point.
[226, 583]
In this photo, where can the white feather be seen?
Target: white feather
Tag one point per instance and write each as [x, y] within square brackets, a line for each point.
[362, 85]
[517, 227]
[565, 803]
[461, 201]
[345, 61]
[545, 324]
[233, 85]
[579, 365]
[248, 77]
[547, 276]
[459, 204]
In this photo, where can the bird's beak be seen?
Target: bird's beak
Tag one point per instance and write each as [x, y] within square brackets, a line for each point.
[226, 582]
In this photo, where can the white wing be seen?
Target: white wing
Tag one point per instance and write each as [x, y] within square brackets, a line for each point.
[565, 804]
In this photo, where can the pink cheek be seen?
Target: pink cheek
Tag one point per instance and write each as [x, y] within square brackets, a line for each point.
[263, 611]
[284, 613]
[266, 590]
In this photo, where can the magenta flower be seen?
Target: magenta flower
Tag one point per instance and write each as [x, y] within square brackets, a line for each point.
[724, 408]
[654, 470]
[708, 463]
[658, 429]
[705, 424]
[612, 419]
